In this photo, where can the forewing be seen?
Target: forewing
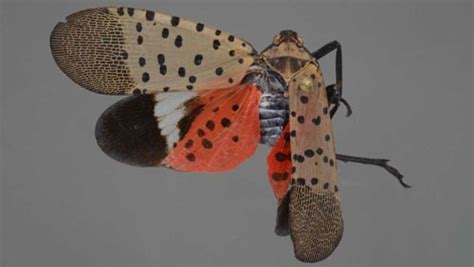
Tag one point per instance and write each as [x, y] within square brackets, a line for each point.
[116, 50]
[188, 131]
[314, 207]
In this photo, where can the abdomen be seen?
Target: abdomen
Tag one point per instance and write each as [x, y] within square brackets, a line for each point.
[273, 106]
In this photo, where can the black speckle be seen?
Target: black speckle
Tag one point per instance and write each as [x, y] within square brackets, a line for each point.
[192, 79]
[188, 144]
[124, 54]
[293, 114]
[219, 71]
[163, 69]
[161, 59]
[231, 38]
[300, 181]
[130, 11]
[150, 15]
[304, 99]
[120, 11]
[215, 109]
[181, 72]
[293, 133]
[189, 87]
[139, 27]
[293, 169]
[174, 21]
[178, 42]
[325, 159]
[244, 44]
[140, 39]
[199, 27]
[327, 137]
[210, 125]
[145, 77]
[200, 133]
[300, 158]
[216, 44]
[218, 32]
[191, 157]
[325, 110]
[137, 92]
[314, 180]
[141, 61]
[232, 53]
[316, 120]
[235, 138]
[235, 107]
[281, 156]
[309, 153]
[206, 143]
[231, 80]
[241, 60]
[175, 145]
[198, 59]
[319, 151]
[300, 119]
[336, 189]
[165, 33]
[326, 185]
[313, 76]
[331, 162]
[225, 122]
[166, 89]
[276, 176]
[292, 181]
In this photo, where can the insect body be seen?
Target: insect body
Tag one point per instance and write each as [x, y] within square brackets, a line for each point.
[201, 99]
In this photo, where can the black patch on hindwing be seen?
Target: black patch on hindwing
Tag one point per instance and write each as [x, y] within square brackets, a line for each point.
[128, 132]
[282, 227]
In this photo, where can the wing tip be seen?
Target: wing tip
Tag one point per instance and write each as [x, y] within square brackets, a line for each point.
[87, 48]
[128, 132]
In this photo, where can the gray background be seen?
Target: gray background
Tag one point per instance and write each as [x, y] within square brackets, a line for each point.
[407, 73]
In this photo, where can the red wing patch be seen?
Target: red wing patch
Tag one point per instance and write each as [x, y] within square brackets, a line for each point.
[279, 165]
[224, 133]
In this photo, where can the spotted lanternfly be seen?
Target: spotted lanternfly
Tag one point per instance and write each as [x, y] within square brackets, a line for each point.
[202, 100]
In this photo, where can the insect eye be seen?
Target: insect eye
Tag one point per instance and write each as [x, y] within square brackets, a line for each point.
[306, 84]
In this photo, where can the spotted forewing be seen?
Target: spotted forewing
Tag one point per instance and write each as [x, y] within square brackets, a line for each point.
[314, 204]
[117, 50]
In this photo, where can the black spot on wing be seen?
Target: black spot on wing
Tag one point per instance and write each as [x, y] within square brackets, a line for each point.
[150, 15]
[165, 33]
[174, 21]
[128, 132]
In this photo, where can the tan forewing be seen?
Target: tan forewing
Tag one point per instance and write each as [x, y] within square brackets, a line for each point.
[116, 50]
[315, 213]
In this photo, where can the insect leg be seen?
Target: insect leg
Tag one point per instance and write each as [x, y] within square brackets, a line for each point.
[378, 162]
[334, 91]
